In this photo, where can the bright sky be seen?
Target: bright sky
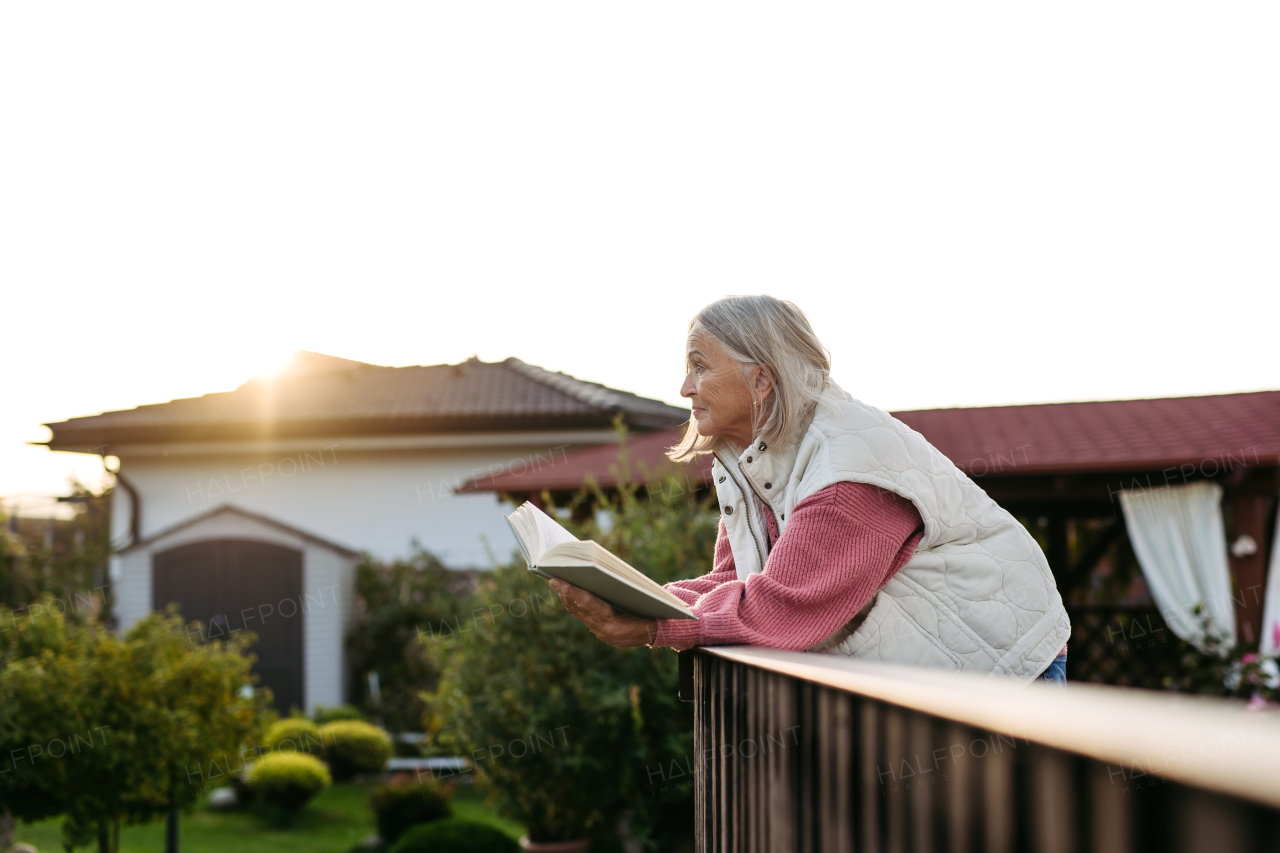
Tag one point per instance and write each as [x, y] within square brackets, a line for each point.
[976, 203]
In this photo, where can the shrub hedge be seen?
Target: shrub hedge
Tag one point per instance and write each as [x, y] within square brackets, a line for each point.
[332, 713]
[294, 734]
[454, 836]
[288, 781]
[353, 747]
[397, 807]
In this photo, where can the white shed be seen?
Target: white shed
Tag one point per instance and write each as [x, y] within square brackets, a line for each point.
[234, 570]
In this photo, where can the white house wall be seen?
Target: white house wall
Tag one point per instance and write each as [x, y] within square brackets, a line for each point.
[327, 579]
[375, 501]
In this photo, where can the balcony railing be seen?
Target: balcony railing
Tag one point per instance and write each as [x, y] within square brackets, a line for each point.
[807, 753]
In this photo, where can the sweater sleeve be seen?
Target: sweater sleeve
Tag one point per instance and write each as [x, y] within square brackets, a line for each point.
[722, 569]
[841, 545]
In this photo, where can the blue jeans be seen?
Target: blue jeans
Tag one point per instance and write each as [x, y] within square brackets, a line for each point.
[1057, 671]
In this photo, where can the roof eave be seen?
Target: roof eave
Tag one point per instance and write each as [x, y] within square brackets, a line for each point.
[99, 440]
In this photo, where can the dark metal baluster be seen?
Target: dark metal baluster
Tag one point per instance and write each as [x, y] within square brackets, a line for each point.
[804, 768]
[835, 754]
[1205, 821]
[958, 801]
[786, 762]
[749, 756]
[920, 798]
[1110, 814]
[895, 755]
[998, 805]
[870, 795]
[1052, 801]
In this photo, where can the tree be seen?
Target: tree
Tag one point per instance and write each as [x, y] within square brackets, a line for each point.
[106, 729]
[64, 558]
[399, 601]
[568, 730]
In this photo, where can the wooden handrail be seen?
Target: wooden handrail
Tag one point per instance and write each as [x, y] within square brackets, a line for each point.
[1203, 742]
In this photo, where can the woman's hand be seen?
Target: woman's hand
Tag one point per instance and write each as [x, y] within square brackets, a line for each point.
[625, 632]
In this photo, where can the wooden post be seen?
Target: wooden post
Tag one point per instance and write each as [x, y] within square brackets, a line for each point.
[1248, 573]
[1059, 556]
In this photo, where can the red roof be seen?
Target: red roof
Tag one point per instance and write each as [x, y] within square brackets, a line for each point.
[647, 454]
[1117, 435]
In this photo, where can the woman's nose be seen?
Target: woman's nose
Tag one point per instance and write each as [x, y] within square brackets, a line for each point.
[687, 389]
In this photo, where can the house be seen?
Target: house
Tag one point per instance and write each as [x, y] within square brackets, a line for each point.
[250, 508]
[1062, 468]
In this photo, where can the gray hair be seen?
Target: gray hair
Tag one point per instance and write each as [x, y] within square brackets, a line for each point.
[776, 335]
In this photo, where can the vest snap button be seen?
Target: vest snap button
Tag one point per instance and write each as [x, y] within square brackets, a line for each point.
[728, 510]
[721, 480]
[762, 446]
[748, 458]
[768, 485]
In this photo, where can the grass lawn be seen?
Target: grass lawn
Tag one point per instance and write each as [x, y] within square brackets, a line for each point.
[331, 823]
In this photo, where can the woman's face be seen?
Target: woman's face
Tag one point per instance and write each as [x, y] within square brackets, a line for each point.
[722, 396]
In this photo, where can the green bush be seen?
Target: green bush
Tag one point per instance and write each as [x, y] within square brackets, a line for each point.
[571, 731]
[353, 747]
[399, 807]
[294, 734]
[401, 602]
[172, 708]
[288, 781]
[332, 713]
[454, 836]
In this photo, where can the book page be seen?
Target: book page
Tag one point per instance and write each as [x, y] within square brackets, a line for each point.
[536, 531]
[550, 531]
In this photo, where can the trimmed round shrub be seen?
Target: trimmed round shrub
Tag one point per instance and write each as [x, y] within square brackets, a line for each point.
[454, 836]
[294, 734]
[332, 713]
[397, 807]
[288, 781]
[353, 747]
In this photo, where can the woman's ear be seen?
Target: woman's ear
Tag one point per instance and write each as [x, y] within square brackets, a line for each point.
[763, 384]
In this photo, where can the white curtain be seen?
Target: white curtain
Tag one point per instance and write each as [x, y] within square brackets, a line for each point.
[1180, 543]
[1271, 608]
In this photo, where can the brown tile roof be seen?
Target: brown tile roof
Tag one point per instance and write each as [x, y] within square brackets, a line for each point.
[1116, 435]
[321, 395]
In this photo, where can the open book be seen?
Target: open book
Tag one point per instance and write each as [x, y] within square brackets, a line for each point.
[554, 552]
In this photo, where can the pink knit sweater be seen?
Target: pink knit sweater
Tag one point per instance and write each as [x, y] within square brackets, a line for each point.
[841, 545]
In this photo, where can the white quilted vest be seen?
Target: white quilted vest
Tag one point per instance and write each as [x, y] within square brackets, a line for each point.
[977, 595]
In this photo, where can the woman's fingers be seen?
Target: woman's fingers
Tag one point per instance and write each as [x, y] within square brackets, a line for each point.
[601, 619]
[581, 603]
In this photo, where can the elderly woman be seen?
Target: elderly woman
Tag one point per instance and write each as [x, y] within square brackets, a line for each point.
[841, 529]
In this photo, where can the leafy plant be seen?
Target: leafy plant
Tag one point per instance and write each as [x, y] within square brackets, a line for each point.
[395, 602]
[564, 727]
[65, 559]
[352, 747]
[332, 713]
[118, 729]
[288, 781]
[1225, 670]
[294, 734]
[455, 836]
[399, 806]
